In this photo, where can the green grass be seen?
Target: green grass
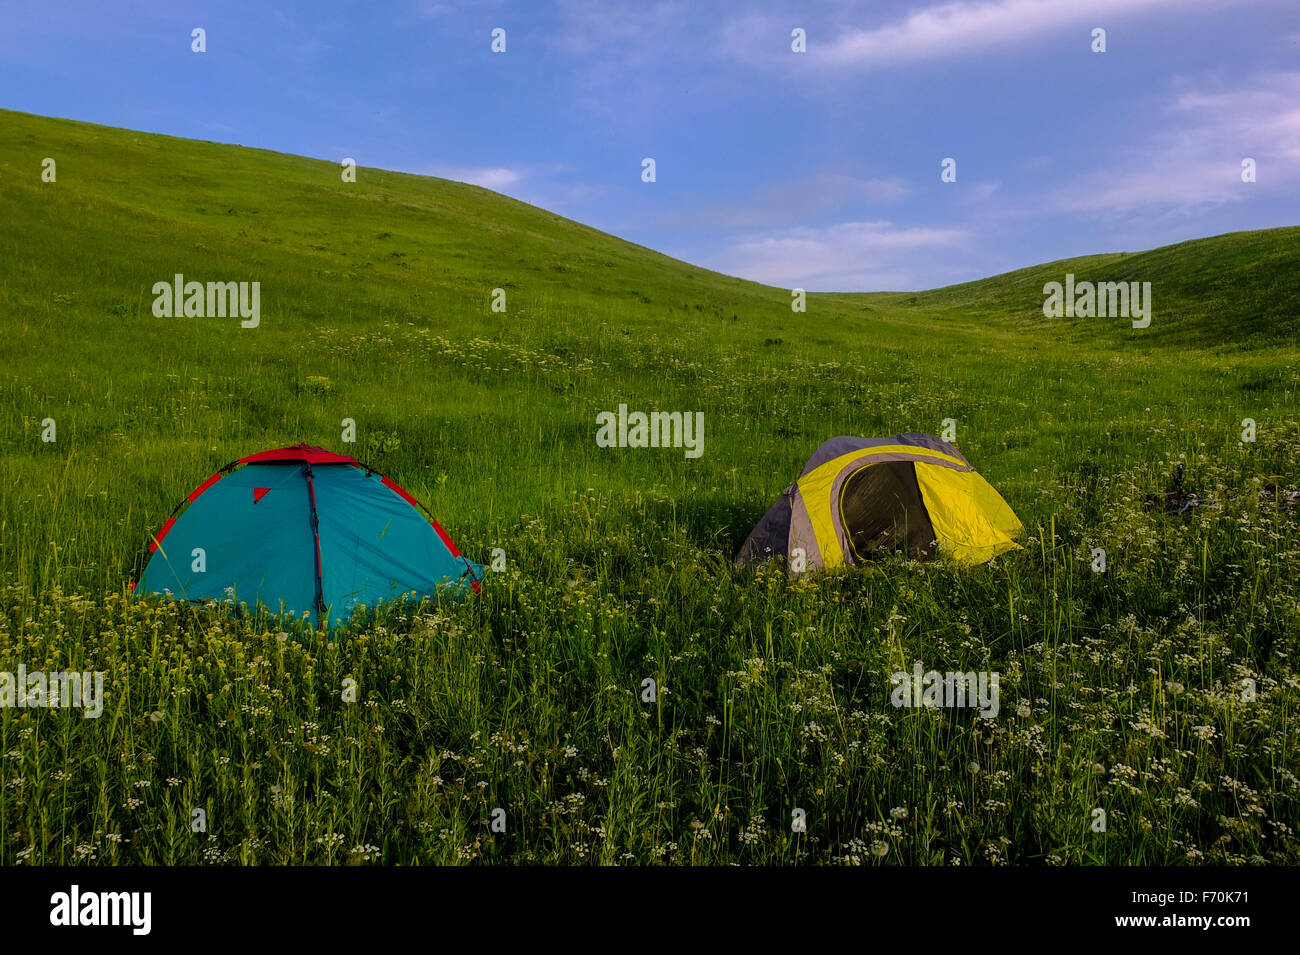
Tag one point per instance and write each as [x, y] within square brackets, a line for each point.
[1120, 691]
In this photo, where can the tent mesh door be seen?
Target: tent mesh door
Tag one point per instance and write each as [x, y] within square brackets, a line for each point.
[882, 510]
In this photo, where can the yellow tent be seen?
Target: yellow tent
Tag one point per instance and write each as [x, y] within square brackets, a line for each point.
[859, 497]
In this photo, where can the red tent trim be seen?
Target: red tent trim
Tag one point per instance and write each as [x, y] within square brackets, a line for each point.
[162, 532]
[194, 495]
[442, 535]
[410, 499]
[299, 452]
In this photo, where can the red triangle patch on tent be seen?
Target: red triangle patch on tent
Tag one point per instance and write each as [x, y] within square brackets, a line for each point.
[259, 493]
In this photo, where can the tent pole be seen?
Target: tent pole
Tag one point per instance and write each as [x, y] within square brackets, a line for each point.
[315, 527]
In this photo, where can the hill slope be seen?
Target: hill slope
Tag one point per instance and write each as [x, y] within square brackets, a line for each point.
[1237, 290]
[376, 307]
[146, 204]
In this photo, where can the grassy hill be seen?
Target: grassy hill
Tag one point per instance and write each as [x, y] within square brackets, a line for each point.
[1229, 292]
[376, 307]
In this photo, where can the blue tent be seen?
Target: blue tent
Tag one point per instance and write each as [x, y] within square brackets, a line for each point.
[303, 531]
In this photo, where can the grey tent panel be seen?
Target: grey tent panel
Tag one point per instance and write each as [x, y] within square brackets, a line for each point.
[829, 450]
[770, 536]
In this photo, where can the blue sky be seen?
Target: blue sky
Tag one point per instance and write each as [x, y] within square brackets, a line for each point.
[819, 170]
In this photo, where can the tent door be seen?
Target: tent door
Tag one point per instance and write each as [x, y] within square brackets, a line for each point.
[881, 510]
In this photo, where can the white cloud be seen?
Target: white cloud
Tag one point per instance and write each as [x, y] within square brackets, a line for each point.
[430, 9]
[948, 28]
[635, 63]
[496, 178]
[1266, 114]
[981, 191]
[1197, 163]
[619, 29]
[548, 186]
[823, 190]
[798, 200]
[847, 256]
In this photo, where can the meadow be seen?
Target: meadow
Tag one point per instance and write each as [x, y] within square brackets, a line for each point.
[1163, 691]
